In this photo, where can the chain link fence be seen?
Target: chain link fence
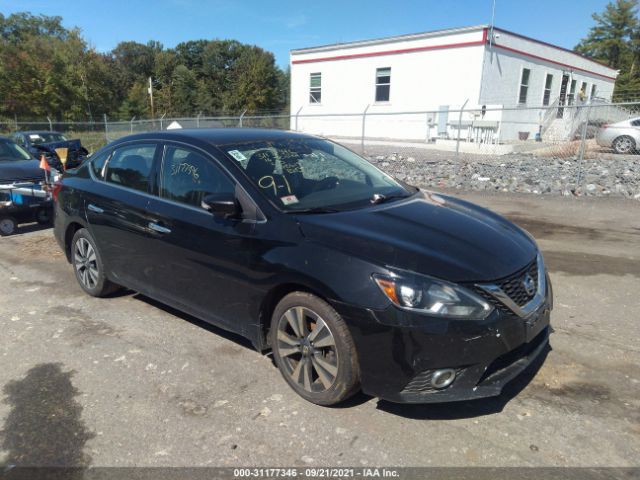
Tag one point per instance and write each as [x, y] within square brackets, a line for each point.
[552, 149]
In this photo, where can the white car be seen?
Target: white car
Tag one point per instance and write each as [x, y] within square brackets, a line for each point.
[623, 137]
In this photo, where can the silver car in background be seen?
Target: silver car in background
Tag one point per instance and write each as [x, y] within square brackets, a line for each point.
[623, 137]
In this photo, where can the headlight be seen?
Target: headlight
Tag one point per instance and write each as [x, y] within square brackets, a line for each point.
[433, 297]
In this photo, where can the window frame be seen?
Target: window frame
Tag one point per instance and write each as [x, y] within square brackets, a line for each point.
[152, 170]
[252, 213]
[526, 86]
[158, 183]
[571, 97]
[593, 91]
[94, 157]
[317, 89]
[586, 89]
[378, 84]
[546, 91]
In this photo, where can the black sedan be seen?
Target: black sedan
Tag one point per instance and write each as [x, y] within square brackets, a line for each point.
[352, 279]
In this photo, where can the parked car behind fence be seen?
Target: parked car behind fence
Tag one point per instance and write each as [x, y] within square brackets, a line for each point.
[623, 137]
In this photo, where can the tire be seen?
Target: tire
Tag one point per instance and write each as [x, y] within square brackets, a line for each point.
[321, 367]
[88, 265]
[8, 226]
[624, 144]
[43, 216]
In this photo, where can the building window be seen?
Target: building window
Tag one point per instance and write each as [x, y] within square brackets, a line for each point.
[593, 91]
[315, 88]
[547, 89]
[383, 84]
[582, 94]
[572, 93]
[524, 86]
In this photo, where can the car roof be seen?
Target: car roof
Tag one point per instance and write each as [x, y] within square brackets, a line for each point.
[38, 132]
[220, 136]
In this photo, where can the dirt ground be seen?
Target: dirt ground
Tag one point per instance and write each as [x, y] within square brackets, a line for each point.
[128, 382]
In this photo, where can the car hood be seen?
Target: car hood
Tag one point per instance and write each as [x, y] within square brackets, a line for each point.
[430, 234]
[20, 171]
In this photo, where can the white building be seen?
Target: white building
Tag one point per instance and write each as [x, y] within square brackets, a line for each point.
[502, 79]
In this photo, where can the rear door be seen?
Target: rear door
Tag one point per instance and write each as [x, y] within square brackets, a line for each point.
[116, 210]
[203, 264]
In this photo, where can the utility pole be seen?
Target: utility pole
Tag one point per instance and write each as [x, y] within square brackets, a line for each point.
[150, 90]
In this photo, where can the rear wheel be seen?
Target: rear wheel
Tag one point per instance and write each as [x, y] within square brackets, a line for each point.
[8, 226]
[314, 350]
[88, 266]
[43, 216]
[624, 144]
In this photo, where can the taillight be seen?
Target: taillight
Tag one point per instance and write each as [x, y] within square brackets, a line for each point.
[57, 186]
[605, 126]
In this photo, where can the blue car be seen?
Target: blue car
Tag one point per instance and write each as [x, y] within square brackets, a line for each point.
[45, 142]
[23, 196]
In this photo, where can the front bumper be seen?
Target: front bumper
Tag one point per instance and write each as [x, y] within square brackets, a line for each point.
[396, 363]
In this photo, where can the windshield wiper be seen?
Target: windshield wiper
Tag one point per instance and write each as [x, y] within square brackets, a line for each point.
[315, 210]
[378, 198]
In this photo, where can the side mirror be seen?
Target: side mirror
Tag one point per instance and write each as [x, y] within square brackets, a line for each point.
[222, 205]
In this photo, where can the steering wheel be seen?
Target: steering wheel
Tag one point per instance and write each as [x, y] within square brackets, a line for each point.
[326, 184]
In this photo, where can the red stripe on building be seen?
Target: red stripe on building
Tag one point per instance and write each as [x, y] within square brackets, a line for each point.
[393, 52]
[446, 46]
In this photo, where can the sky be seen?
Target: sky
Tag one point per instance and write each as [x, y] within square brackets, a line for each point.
[279, 26]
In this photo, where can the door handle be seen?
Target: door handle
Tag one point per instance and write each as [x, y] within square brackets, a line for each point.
[95, 209]
[159, 228]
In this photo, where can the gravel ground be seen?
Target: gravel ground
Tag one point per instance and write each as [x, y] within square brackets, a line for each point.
[126, 381]
[602, 174]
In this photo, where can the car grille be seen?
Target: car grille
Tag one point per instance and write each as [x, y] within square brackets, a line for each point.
[513, 286]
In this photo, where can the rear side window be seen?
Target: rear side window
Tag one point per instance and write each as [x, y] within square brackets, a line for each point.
[98, 162]
[636, 123]
[188, 176]
[130, 166]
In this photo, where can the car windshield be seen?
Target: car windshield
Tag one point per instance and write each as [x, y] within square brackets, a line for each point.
[10, 151]
[312, 174]
[45, 137]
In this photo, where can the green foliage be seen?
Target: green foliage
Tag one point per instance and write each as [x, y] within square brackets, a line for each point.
[49, 70]
[615, 40]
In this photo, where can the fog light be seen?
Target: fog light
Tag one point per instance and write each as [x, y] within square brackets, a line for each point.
[443, 378]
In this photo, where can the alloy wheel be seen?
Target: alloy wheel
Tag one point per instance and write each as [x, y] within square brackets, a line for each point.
[86, 263]
[308, 349]
[624, 145]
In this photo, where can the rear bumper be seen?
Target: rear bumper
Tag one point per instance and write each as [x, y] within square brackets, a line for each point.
[604, 137]
[396, 363]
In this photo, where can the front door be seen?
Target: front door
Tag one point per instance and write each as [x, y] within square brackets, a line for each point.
[203, 263]
[563, 95]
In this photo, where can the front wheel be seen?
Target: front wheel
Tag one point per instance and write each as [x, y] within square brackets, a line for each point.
[88, 265]
[314, 350]
[624, 144]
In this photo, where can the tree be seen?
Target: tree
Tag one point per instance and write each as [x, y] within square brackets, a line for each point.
[614, 40]
[49, 70]
[184, 91]
[253, 81]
